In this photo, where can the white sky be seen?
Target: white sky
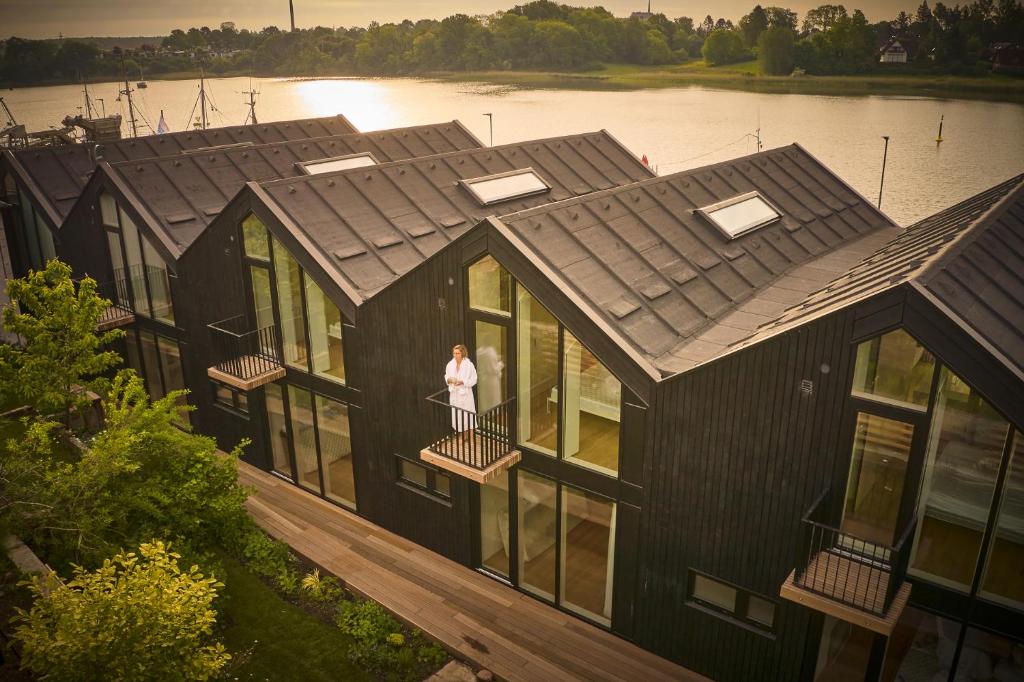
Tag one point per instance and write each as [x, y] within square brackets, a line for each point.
[48, 18]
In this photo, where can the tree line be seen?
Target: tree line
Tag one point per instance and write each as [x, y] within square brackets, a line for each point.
[542, 35]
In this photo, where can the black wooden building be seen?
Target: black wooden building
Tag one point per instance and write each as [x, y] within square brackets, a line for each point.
[734, 414]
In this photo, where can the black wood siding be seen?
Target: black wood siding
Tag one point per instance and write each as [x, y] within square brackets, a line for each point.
[738, 453]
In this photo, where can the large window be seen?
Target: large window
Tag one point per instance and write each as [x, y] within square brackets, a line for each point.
[538, 374]
[158, 360]
[587, 554]
[965, 449]
[289, 301]
[335, 443]
[1004, 572]
[277, 427]
[490, 287]
[537, 534]
[38, 236]
[303, 433]
[494, 528]
[592, 405]
[137, 266]
[325, 333]
[894, 368]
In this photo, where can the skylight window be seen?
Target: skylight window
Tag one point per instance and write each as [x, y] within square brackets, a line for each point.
[739, 215]
[492, 189]
[338, 163]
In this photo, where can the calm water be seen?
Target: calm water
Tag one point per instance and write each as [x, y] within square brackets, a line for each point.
[676, 128]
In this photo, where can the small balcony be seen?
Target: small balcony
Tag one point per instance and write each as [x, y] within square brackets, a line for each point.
[853, 579]
[121, 312]
[477, 446]
[243, 357]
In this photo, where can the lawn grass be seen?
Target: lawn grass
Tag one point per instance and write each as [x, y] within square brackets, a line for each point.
[277, 640]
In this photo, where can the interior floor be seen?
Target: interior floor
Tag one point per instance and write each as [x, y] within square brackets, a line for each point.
[586, 556]
[599, 441]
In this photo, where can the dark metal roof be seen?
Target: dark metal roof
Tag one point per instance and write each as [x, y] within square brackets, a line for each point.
[669, 282]
[183, 193]
[54, 176]
[968, 259]
[374, 224]
[149, 146]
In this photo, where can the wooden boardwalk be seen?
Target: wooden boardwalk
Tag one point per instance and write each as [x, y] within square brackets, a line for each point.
[480, 619]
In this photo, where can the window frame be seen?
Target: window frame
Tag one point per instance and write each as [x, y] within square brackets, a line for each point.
[432, 473]
[305, 166]
[234, 406]
[739, 615]
[467, 184]
[706, 212]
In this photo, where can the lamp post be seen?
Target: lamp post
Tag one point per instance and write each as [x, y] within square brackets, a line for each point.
[885, 155]
[490, 122]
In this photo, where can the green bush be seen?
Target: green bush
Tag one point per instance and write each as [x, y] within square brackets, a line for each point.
[323, 589]
[381, 648]
[137, 617]
[266, 557]
[722, 47]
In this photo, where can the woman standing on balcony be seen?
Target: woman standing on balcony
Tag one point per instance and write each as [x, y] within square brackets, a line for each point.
[461, 377]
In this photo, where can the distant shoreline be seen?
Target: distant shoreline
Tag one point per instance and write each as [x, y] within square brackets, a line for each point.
[741, 77]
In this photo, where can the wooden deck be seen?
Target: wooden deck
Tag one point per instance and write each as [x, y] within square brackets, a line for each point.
[481, 620]
[263, 372]
[848, 582]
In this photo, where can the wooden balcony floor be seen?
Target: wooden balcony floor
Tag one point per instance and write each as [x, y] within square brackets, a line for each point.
[833, 582]
[259, 371]
[470, 457]
[482, 620]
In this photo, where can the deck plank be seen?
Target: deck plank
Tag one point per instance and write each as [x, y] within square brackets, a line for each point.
[484, 621]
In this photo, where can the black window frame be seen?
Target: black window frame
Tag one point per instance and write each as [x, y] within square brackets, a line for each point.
[739, 615]
[432, 473]
[235, 405]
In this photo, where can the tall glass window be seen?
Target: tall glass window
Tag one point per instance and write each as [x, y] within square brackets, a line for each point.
[131, 342]
[878, 467]
[336, 450]
[490, 287]
[262, 300]
[965, 449]
[592, 405]
[117, 263]
[587, 554]
[136, 269]
[325, 333]
[1004, 577]
[49, 251]
[277, 424]
[896, 369]
[300, 403]
[537, 335]
[494, 532]
[28, 224]
[108, 210]
[173, 376]
[151, 364]
[254, 238]
[159, 284]
[537, 524]
[491, 354]
[289, 300]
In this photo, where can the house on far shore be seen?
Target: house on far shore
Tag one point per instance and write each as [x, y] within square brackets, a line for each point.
[896, 50]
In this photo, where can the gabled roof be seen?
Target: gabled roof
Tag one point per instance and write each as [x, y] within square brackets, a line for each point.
[374, 224]
[182, 193]
[54, 176]
[671, 284]
[968, 259]
[149, 146]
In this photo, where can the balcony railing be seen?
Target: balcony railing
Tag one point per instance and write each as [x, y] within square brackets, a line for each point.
[474, 445]
[244, 357]
[847, 569]
[120, 312]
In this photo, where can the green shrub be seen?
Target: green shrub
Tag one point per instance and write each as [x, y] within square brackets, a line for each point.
[266, 557]
[323, 589]
[381, 648]
[137, 617]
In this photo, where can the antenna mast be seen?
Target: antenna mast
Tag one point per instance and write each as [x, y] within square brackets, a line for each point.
[291, 11]
[88, 100]
[202, 96]
[252, 104]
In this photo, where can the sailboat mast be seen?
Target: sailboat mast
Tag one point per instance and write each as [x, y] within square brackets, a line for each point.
[88, 100]
[128, 93]
[202, 96]
[252, 106]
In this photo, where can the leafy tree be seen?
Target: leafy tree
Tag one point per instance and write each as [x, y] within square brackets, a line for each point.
[138, 617]
[60, 355]
[781, 17]
[775, 52]
[823, 18]
[722, 47]
[753, 25]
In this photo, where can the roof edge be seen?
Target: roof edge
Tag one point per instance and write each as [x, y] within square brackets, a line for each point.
[853, 189]
[629, 152]
[48, 210]
[598, 319]
[141, 209]
[470, 133]
[969, 234]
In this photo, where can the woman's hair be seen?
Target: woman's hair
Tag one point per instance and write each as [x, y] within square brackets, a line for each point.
[459, 346]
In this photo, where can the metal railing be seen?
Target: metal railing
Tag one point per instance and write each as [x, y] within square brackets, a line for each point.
[477, 440]
[856, 572]
[120, 301]
[243, 352]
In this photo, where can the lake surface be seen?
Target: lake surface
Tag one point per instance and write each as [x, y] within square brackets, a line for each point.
[677, 128]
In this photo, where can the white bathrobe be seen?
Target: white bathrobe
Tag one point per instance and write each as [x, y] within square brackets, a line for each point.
[461, 395]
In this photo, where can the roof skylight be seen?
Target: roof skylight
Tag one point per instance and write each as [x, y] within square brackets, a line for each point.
[337, 163]
[739, 215]
[492, 189]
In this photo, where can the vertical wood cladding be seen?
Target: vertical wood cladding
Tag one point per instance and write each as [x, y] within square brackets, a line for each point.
[739, 454]
[408, 331]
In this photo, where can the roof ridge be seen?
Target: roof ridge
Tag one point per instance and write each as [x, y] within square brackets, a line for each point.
[966, 236]
[441, 156]
[216, 149]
